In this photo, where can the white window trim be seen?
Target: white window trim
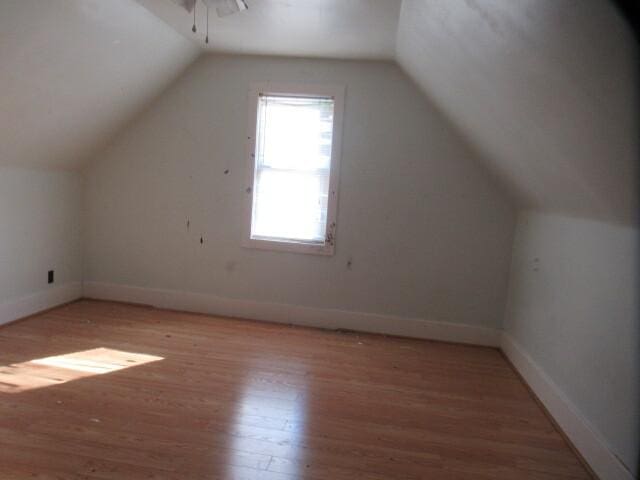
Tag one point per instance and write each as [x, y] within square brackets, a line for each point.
[337, 92]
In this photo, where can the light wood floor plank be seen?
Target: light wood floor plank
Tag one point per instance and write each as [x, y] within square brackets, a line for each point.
[99, 390]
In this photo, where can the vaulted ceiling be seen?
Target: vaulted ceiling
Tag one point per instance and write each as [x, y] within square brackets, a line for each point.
[362, 29]
[545, 89]
[72, 72]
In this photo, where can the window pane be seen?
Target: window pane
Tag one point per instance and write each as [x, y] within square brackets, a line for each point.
[290, 205]
[293, 160]
[294, 133]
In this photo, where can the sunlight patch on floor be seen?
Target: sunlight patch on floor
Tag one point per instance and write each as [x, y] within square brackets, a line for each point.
[44, 372]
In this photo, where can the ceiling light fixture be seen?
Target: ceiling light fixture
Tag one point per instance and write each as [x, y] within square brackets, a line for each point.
[223, 8]
[228, 7]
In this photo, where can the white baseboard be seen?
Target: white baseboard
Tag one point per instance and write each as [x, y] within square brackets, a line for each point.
[294, 314]
[36, 302]
[585, 438]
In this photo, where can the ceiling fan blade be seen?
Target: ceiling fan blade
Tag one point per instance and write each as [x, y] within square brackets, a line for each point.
[228, 7]
[188, 5]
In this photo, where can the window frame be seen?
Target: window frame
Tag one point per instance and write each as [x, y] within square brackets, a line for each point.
[337, 94]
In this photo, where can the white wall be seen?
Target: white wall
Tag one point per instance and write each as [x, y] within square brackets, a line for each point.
[574, 308]
[428, 232]
[40, 217]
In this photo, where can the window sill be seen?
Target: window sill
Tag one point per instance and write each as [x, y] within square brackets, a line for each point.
[292, 247]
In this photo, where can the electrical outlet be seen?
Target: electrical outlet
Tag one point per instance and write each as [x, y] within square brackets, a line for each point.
[50, 276]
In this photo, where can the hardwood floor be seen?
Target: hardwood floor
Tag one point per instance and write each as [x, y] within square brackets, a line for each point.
[97, 390]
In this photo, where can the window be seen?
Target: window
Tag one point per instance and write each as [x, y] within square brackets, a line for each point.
[294, 143]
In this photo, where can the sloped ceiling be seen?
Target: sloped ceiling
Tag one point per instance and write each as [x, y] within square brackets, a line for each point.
[362, 29]
[547, 89]
[72, 71]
